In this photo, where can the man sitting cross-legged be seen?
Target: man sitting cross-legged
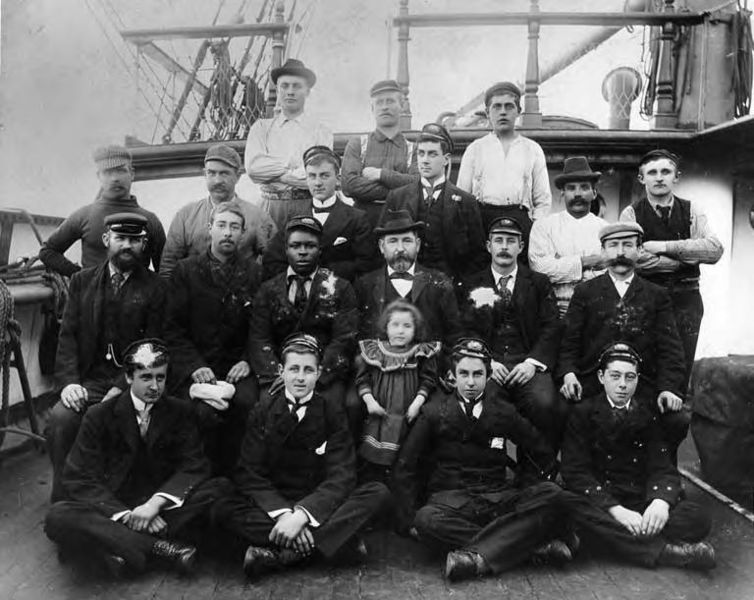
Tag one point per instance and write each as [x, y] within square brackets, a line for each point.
[625, 492]
[296, 478]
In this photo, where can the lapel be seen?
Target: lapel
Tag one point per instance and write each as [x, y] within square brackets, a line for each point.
[421, 279]
[633, 289]
[521, 290]
[335, 223]
[96, 292]
[280, 286]
[125, 416]
[379, 288]
[159, 420]
[608, 292]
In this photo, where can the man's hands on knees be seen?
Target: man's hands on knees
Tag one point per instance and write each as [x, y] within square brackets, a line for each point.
[288, 527]
[304, 543]
[521, 374]
[499, 373]
[237, 372]
[669, 402]
[74, 396]
[655, 517]
[630, 519]
[571, 387]
[203, 375]
[146, 517]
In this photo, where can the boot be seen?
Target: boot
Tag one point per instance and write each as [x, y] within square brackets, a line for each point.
[554, 552]
[353, 553]
[699, 556]
[462, 564]
[181, 557]
[115, 565]
[260, 560]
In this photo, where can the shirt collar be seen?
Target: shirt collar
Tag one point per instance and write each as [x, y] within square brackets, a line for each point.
[291, 273]
[614, 405]
[497, 276]
[410, 270]
[326, 203]
[302, 402]
[139, 405]
[282, 119]
[381, 137]
[625, 282]
[440, 181]
[113, 271]
[657, 205]
[465, 401]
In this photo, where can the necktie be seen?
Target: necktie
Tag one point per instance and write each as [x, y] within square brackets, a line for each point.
[406, 275]
[429, 193]
[143, 423]
[294, 406]
[468, 408]
[664, 215]
[502, 288]
[299, 301]
[116, 280]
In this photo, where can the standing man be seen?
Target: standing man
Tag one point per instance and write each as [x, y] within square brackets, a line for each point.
[453, 238]
[376, 163]
[506, 171]
[116, 174]
[275, 146]
[677, 239]
[306, 298]
[565, 246]
[514, 311]
[348, 245]
[189, 235]
[109, 307]
[136, 480]
[210, 304]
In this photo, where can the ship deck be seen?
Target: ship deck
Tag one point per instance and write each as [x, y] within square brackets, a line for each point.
[397, 568]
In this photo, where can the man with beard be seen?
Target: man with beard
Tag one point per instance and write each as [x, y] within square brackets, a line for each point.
[452, 241]
[506, 171]
[620, 306]
[188, 234]
[306, 298]
[565, 246]
[348, 246]
[87, 224]
[109, 307]
[275, 146]
[210, 304]
[382, 161]
[677, 240]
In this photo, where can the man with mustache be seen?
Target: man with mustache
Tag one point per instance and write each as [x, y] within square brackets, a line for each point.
[189, 235]
[621, 306]
[275, 146]
[381, 161]
[506, 171]
[453, 239]
[116, 174]
[210, 303]
[109, 307]
[565, 246]
[677, 240]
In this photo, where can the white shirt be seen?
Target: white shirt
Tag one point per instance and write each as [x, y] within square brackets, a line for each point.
[435, 184]
[621, 286]
[301, 410]
[556, 244]
[510, 284]
[402, 286]
[317, 205]
[518, 177]
[294, 284]
[477, 410]
[614, 405]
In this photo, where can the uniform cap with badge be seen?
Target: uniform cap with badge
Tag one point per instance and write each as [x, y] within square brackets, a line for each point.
[505, 225]
[301, 341]
[126, 223]
[306, 223]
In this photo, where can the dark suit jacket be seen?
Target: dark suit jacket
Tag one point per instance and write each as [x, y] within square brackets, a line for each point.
[618, 462]
[461, 236]
[348, 259]
[104, 458]
[643, 318]
[207, 322]
[432, 293]
[535, 305]
[463, 455]
[284, 462]
[142, 305]
[330, 316]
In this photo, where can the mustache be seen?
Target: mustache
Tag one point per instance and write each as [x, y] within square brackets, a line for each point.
[621, 260]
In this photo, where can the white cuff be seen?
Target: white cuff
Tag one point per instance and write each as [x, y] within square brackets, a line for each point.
[119, 515]
[274, 514]
[177, 502]
[536, 363]
[312, 521]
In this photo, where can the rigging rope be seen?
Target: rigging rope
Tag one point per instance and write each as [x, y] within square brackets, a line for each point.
[8, 325]
[742, 69]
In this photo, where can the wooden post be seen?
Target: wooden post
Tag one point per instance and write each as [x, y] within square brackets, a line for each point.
[278, 45]
[402, 78]
[531, 117]
[665, 115]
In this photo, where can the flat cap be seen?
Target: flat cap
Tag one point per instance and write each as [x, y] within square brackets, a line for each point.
[386, 85]
[621, 229]
[125, 223]
[111, 157]
[505, 225]
[304, 222]
[658, 154]
[146, 353]
[499, 89]
[224, 154]
[319, 151]
[472, 348]
[619, 351]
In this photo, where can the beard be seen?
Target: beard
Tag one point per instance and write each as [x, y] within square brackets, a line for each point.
[401, 262]
[125, 260]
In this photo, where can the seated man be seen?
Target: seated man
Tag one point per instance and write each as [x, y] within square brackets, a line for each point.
[188, 235]
[626, 492]
[514, 311]
[453, 239]
[473, 512]
[136, 478]
[207, 328]
[108, 307]
[306, 298]
[296, 479]
[348, 245]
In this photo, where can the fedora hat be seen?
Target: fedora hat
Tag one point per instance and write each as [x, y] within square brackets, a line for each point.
[396, 221]
[293, 66]
[576, 168]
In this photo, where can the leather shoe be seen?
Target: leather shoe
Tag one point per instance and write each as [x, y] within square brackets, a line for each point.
[353, 553]
[699, 556]
[554, 552]
[463, 564]
[181, 557]
[115, 565]
[259, 560]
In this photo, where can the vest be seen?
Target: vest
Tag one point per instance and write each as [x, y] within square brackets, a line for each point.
[679, 228]
[507, 338]
[432, 253]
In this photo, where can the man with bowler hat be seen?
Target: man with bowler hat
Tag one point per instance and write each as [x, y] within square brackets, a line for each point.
[565, 246]
[116, 174]
[376, 163]
[274, 148]
[453, 241]
[188, 234]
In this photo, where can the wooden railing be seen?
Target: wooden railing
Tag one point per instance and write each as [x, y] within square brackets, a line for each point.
[669, 19]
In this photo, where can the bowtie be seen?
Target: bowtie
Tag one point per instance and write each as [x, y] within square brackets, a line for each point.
[322, 209]
[396, 275]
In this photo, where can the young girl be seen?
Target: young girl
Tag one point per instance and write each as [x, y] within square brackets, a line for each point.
[395, 376]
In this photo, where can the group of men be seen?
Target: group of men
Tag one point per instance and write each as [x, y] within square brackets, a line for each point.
[216, 389]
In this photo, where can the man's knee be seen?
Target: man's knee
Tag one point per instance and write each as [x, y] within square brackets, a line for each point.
[63, 422]
[426, 520]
